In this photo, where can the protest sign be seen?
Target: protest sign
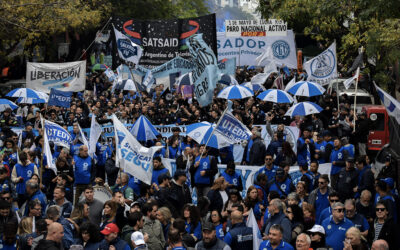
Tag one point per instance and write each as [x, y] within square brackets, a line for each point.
[245, 50]
[57, 134]
[70, 76]
[163, 40]
[232, 128]
[260, 27]
[59, 98]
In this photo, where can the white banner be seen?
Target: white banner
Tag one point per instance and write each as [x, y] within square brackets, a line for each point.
[260, 27]
[131, 155]
[322, 68]
[70, 76]
[246, 49]
[247, 172]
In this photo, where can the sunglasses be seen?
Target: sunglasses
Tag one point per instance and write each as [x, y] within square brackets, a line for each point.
[268, 159]
[289, 212]
[339, 210]
[380, 209]
[334, 200]
[321, 182]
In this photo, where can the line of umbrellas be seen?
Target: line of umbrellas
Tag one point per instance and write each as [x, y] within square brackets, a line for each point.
[23, 95]
[301, 88]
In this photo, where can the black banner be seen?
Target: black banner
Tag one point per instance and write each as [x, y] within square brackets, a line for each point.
[163, 40]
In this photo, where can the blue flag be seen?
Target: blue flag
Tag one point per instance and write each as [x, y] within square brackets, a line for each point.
[205, 73]
[60, 98]
[57, 134]
[227, 66]
[232, 129]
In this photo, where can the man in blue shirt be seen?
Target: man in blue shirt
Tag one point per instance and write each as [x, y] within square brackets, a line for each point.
[336, 226]
[269, 169]
[83, 171]
[358, 220]
[319, 197]
[333, 197]
[275, 241]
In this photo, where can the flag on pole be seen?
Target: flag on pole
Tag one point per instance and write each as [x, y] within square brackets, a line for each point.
[95, 132]
[232, 129]
[83, 137]
[391, 104]
[278, 83]
[349, 81]
[127, 50]
[322, 68]
[148, 81]
[358, 62]
[252, 222]
[266, 55]
[271, 68]
[132, 157]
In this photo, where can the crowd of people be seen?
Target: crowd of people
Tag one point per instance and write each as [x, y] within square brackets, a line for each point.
[350, 208]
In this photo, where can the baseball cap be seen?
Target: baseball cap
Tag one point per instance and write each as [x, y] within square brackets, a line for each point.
[350, 159]
[162, 177]
[317, 229]
[110, 228]
[138, 238]
[208, 226]
[280, 172]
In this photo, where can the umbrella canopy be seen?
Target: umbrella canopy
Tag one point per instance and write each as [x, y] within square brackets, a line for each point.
[254, 87]
[24, 92]
[305, 88]
[228, 80]
[5, 104]
[235, 92]
[43, 99]
[303, 109]
[275, 95]
[143, 130]
[200, 132]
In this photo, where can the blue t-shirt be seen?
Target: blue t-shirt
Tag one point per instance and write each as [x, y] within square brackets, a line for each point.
[321, 202]
[266, 245]
[336, 233]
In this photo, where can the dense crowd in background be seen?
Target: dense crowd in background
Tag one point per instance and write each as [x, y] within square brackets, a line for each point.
[351, 208]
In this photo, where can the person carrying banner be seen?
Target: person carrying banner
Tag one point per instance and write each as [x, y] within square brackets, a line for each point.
[83, 165]
[203, 171]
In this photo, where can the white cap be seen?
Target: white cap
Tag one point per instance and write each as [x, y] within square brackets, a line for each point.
[317, 229]
[138, 238]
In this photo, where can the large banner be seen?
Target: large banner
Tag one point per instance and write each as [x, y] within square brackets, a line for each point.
[246, 49]
[260, 27]
[70, 76]
[163, 40]
[291, 135]
[57, 134]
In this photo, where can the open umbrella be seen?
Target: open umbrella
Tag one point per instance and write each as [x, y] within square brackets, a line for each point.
[43, 99]
[275, 95]
[303, 109]
[201, 132]
[235, 92]
[143, 130]
[5, 104]
[24, 92]
[306, 88]
[228, 80]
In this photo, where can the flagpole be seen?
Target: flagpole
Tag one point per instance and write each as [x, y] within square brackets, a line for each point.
[101, 31]
[44, 141]
[355, 100]
[137, 88]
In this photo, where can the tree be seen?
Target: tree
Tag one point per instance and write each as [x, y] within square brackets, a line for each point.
[39, 20]
[353, 24]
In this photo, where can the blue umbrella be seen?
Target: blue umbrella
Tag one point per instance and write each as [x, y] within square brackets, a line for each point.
[275, 95]
[31, 100]
[228, 80]
[303, 109]
[235, 92]
[143, 130]
[5, 104]
[306, 88]
[24, 92]
[200, 132]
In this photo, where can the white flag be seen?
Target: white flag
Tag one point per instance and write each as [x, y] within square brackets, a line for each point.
[322, 68]
[349, 81]
[252, 222]
[46, 149]
[131, 155]
[271, 68]
[83, 137]
[260, 78]
[95, 132]
[290, 84]
[127, 50]
[266, 55]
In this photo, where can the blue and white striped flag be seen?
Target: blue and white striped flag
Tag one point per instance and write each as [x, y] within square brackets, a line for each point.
[391, 104]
